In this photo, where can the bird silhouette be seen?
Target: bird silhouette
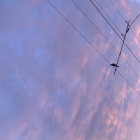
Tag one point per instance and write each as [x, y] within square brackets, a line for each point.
[114, 65]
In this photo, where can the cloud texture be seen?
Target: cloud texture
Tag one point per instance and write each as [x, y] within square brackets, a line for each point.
[53, 83]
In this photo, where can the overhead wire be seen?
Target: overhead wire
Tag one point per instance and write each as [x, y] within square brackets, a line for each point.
[125, 20]
[91, 45]
[134, 20]
[114, 29]
[106, 38]
[116, 26]
[117, 10]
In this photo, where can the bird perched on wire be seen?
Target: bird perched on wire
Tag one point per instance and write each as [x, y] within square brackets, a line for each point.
[114, 65]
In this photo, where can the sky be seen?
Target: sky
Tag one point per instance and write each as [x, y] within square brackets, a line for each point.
[54, 85]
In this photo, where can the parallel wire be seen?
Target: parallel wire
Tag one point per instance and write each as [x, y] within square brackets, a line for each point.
[117, 10]
[124, 20]
[106, 38]
[91, 45]
[114, 29]
[116, 26]
[135, 19]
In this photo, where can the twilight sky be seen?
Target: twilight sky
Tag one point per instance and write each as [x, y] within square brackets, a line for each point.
[53, 83]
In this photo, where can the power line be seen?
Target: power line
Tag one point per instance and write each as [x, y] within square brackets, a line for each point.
[116, 26]
[128, 82]
[108, 16]
[91, 44]
[117, 10]
[106, 38]
[114, 30]
[134, 20]
[125, 20]
[127, 29]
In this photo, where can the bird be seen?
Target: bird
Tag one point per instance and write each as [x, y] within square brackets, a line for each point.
[114, 65]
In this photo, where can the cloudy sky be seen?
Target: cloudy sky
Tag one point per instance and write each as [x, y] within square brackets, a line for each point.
[54, 85]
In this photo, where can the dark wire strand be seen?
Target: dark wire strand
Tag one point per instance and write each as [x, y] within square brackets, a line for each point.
[124, 20]
[128, 82]
[116, 27]
[90, 44]
[77, 30]
[134, 20]
[114, 30]
[106, 38]
[117, 10]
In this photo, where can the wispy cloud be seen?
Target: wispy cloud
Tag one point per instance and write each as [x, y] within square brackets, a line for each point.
[53, 84]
